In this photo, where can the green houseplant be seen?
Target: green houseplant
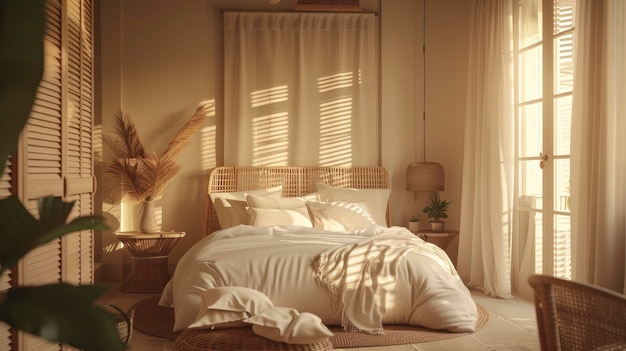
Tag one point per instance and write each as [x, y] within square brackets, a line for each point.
[436, 209]
[57, 312]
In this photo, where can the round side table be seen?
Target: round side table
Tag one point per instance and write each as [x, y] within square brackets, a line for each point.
[149, 257]
[441, 239]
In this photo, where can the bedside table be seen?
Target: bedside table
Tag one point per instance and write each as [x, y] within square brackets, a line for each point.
[441, 239]
[149, 257]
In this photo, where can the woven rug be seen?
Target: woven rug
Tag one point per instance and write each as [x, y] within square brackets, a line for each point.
[150, 318]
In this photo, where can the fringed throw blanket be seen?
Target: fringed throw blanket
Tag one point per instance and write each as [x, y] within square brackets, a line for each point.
[359, 276]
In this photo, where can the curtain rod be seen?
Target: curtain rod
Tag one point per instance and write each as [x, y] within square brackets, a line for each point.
[375, 13]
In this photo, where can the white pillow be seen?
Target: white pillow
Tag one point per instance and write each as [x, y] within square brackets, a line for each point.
[339, 215]
[376, 199]
[229, 306]
[226, 215]
[268, 217]
[278, 203]
[284, 324]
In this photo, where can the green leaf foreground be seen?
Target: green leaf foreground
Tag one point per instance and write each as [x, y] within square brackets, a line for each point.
[58, 312]
[62, 313]
[22, 26]
[21, 232]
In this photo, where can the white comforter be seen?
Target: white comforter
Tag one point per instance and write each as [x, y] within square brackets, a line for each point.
[359, 279]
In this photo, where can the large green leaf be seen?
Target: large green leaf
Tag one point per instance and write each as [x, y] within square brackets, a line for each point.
[62, 313]
[22, 26]
[20, 232]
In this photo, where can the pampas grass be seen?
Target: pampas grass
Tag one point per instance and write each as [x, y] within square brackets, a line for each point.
[136, 174]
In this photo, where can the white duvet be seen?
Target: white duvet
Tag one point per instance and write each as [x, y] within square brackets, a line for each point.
[360, 279]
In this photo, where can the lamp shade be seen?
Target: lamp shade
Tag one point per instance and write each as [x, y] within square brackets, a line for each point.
[425, 176]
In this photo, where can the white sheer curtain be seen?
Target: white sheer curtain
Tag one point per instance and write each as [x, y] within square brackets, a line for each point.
[300, 89]
[599, 145]
[487, 199]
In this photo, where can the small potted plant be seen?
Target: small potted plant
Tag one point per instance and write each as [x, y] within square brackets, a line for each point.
[437, 209]
[414, 224]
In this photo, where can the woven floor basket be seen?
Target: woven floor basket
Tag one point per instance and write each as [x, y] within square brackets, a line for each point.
[237, 339]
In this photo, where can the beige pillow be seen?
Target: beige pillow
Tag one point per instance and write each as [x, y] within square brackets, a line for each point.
[339, 215]
[227, 215]
[270, 217]
[279, 203]
[229, 306]
[284, 324]
[375, 199]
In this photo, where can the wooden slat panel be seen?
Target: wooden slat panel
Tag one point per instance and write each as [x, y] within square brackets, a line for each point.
[57, 148]
[43, 264]
[5, 332]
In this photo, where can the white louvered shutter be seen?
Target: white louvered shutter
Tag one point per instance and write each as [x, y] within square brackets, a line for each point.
[78, 247]
[6, 190]
[56, 151]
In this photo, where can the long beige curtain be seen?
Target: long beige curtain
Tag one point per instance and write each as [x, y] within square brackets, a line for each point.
[598, 176]
[484, 259]
[300, 89]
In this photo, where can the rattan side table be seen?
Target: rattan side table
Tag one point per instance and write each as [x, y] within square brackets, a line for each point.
[149, 257]
[441, 239]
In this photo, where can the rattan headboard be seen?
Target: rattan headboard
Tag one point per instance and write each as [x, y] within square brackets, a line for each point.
[296, 181]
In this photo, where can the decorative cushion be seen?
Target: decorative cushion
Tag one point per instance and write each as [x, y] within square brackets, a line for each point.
[228, 306]
[269, 217]
[226, 215]
[375, 199]
[339, 215]
[287, 325]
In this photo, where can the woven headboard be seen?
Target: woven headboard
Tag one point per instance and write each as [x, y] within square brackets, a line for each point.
[296, 181]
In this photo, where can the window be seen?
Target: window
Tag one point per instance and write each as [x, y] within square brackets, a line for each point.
[544, 48]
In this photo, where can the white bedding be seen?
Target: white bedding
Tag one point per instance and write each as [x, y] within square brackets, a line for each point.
[280, 262]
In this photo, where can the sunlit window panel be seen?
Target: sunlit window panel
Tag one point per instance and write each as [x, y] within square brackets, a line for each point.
[531, 184]
[270, 139]
[562, 246]
[531, 74]
[562, 125]
[530, 22]
[564, 15]
[562, 185]
[564, 63]
[530, 130]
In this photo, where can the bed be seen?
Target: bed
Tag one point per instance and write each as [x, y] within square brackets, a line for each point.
[291, 250]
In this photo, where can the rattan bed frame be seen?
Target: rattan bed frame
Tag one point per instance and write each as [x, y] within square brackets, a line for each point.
[296, 181]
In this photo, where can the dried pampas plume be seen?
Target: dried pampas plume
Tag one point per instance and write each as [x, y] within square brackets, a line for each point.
[136, 174]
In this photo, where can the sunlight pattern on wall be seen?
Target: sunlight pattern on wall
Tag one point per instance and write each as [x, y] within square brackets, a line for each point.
[269, 96]
[336, 132]
[302, 101]
[208, 157]
[336, 121]
[336, 81]
[270, 132]
[270, 139]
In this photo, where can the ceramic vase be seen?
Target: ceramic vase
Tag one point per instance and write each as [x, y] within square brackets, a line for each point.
[147, 218]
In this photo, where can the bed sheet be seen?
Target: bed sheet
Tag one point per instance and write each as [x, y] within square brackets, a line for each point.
[280, 262]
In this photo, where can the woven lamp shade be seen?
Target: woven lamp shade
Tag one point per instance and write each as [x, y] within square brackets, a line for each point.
[425, 176]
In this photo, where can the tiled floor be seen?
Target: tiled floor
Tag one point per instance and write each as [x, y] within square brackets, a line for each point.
[511, 326]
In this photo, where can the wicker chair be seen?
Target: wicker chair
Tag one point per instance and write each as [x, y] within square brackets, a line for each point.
[577, 316]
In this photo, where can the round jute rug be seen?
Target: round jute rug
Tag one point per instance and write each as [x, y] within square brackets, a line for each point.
[150, 318]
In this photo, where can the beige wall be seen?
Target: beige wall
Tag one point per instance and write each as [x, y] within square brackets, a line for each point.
[160, 58]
